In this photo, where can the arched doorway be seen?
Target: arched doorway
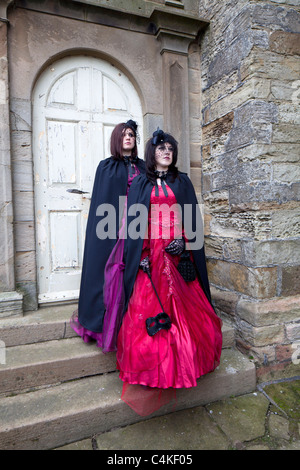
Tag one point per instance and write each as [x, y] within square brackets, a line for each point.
[77, 101]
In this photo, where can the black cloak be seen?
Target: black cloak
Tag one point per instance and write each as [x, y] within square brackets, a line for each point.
[140, 193]
[110, 183]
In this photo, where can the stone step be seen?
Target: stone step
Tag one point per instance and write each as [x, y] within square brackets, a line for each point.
[50, 362]
[32, 365]
[53, 323]
[51, 417]
[45, 324]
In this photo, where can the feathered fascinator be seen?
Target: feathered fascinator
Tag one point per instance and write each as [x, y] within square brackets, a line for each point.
[133, 126]
[158, 136]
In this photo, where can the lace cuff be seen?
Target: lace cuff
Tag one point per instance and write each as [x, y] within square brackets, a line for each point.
[176, 247]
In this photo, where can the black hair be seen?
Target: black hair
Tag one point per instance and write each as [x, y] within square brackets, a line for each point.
[116, 140]
[151, 146]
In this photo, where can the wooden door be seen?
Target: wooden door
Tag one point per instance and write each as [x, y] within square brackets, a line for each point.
[77, 102]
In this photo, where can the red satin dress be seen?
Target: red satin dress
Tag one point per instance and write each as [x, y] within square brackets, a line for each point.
[172, 358]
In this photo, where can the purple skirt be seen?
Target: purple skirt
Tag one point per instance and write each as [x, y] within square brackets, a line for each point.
[113, 295]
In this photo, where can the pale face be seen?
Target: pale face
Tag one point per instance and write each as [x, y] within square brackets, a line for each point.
[163, 156]
[128, 141]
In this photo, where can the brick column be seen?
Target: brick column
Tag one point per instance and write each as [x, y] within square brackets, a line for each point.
[10, 300]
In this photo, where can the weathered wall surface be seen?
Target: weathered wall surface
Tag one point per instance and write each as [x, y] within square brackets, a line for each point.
[250, 68]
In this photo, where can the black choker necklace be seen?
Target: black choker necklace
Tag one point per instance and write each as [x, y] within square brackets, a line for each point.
[129, 161]
[162, 175]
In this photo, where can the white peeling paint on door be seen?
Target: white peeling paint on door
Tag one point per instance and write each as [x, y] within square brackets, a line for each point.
[77, 102]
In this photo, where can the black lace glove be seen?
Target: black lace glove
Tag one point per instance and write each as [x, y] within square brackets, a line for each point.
[145, 265]
[176, 247]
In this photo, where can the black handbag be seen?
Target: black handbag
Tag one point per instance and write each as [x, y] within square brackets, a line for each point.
[186, 267]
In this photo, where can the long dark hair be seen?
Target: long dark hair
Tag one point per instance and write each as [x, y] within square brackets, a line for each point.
[150, 157]
[116, 141]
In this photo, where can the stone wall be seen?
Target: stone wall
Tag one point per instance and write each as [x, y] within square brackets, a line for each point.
[250, 173]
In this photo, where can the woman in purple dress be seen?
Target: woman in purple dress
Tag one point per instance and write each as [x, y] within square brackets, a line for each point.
[101, 299]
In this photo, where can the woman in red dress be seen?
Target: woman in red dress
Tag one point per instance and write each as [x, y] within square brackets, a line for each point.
[170, 335]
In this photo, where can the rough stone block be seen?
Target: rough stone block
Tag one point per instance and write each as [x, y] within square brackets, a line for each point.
[252, 123]
[271, 17]
[226, 61]
[224, 87]
[218, 128]
[251, 88]
[234, 172]
[217, 201]
[286, 172]
[282, 90]
[268, 312]
[290, 280]
[244, 223]
[268, 253]
[283, 352]
[261, 336]
[270, 65]
[289, 112]
[293, 331]
[261, 354]
[255, 282]
[286, 223]
[224, 248]
[279, 152]
[283, 42]
[263, 192]
[224, 300]
[285, 132]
